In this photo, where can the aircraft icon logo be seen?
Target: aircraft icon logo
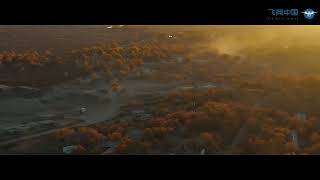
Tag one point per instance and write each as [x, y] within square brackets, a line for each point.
[309, 13]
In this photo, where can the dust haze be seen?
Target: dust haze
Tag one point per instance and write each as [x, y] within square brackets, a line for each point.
[185, 90]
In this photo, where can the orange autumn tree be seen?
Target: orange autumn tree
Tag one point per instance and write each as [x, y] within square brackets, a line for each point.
[211, 141]
[115, 86]
[84, 136]
[78, 149]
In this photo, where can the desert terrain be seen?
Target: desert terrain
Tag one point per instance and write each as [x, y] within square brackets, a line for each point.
[117, 89]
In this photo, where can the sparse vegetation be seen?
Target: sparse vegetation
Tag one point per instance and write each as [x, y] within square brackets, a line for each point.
[220, 103]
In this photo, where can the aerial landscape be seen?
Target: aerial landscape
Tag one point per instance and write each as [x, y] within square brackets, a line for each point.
[159, 90]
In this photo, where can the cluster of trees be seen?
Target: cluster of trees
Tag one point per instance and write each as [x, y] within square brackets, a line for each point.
[26, 58]
[212, 124]
[268, 130]
[157, 132]
[128, 146]
[214, 119]
[161, 122]
[95, 58]
[212, 142]
[281, 81]
[221, 118]
[116, 62]
[116, 59]
[115, 136]
[269, 140]
[86, 138]
[289, 93]
[192, 99]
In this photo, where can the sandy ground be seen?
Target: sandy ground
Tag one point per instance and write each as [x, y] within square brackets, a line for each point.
[69, 97]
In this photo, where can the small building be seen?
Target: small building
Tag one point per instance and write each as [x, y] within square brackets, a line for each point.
[83, 110]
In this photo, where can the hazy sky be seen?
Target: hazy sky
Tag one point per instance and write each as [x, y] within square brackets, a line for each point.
[244, 40]
[253, 39]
